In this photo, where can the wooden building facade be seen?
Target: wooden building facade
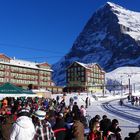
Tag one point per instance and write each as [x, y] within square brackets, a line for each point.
[82, 77]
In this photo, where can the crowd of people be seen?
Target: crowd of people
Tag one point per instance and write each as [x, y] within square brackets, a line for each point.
[50, 119]
[135, 100]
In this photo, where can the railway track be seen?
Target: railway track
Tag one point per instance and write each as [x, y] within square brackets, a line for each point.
[126, 112]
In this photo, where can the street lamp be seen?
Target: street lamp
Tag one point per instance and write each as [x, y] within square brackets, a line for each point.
[134, 87]
[129, 85]
[114, 86]
[104, 86]
[121, 86]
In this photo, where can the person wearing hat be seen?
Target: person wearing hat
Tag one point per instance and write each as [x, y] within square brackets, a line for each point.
[93, 120]
[78, 127]
[134, 136]
[23, 128]
[105, 124]
[42, 127]
[6, 125]
[60, 127]
[114, 130]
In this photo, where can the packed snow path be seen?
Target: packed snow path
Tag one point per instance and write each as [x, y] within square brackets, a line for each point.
[96, 108]
[125, 124]
[126, 112]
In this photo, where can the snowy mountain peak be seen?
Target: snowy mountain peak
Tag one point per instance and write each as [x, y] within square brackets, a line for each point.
[129, 20]
[118, 8]
[110, 38]
[113, 5]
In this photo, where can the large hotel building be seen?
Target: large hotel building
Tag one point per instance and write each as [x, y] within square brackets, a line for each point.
[25, 73]
[85, 77]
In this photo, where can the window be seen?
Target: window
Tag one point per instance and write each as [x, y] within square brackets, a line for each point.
[1, 67]
[78, 68]
[82, 73]
[91, 74]
[1, 73]
[7, 73]
[2, 59]
[1, 79]
[7, 67]
[82, 79]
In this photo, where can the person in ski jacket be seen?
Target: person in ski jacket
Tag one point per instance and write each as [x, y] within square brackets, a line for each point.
[23, 128]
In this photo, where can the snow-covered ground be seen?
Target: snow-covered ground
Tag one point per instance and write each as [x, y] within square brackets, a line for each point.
[122, 74]
[95, 108]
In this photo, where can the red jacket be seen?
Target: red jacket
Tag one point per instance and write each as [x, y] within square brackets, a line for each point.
[95, 136]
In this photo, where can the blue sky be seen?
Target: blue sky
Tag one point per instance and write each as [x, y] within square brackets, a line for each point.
[44, 30]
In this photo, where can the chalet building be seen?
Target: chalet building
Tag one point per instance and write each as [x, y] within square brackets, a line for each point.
[25, 73]
[85, 77]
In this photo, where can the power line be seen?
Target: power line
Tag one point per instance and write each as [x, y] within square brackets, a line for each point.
[40, 57]
[28, 48]
[129, 73]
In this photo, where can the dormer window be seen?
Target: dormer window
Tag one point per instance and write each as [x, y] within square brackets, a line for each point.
[2, 60]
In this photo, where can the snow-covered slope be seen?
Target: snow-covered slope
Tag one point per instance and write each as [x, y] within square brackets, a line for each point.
[110, 38]
[129, 19]
[122, 74]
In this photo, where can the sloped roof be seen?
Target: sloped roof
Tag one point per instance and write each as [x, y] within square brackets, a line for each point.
[1, 54]
[87, 66]
[26, 64]
[43, 64]
[9, 88]
[82, 64]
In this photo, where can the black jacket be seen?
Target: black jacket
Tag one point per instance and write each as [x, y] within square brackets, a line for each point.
[60, 129]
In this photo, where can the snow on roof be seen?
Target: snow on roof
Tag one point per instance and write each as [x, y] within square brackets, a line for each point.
[1, 54]
[87, 66]
[43, 63]
[91, 64]
[82, 64]
[23, 63]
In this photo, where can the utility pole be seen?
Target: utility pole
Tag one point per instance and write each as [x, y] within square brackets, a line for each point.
[103, 90]
[129, 84]
[104, 87]
[121, 86]
[130, 74]
[134, 87]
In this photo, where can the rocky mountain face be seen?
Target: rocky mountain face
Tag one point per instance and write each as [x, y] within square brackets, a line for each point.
[110, 38]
